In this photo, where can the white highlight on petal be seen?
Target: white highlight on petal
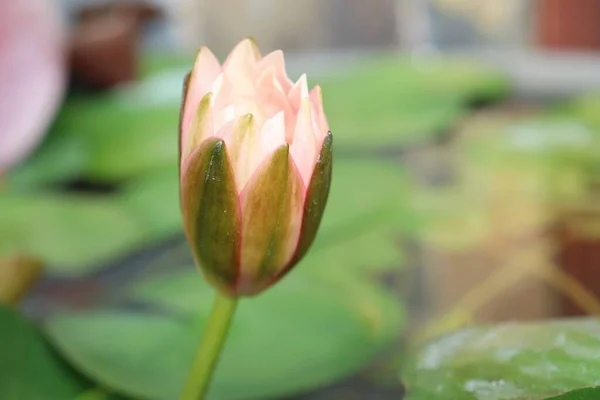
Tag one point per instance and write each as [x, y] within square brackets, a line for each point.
[303, 87]
[216, 87]
[303, 148]
[298, 92]
[224, 116]
[273, 133]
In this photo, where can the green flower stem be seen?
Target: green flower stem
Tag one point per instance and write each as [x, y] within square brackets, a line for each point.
[210, 348]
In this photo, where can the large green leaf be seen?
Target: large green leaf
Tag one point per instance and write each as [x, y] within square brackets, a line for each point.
[369, 115]
[304, 333]
[153, 201]
[110, 137]
[362, 190]
[399, 101]
[30, 370]
[579, 394]
[127, 132]
[368, 208]
[367, 211]
[73, 235]
[546, 360]
[154, 63]
[98, 394]
[443, 76]
[584, 108]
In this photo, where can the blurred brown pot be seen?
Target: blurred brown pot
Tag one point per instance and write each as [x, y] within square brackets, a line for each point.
[568, 24]
[104, 47]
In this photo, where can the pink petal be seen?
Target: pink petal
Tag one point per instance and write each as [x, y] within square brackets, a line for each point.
[304, 146]
[230, 92]
[241, 67]
[273, 99]
[244, 147]
[273, 133]
[244, 53]
[32, 75]
[205, 72]
[276, 60]
[298, 92]
[240, 84]
[322, 126]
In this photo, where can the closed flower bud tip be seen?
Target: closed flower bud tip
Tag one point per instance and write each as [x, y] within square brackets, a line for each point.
[255, 167]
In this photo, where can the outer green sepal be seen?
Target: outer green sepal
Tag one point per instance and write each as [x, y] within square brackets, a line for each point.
[316, 199]
[211, 214]
[271, 210]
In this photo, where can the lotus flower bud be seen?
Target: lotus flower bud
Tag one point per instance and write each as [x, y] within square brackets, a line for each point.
[255, 168]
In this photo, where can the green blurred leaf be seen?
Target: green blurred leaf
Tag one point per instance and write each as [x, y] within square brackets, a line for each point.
[367, 211]
[579, 394]
[30, 370]
[73, 235]
[546, 360]
[98, 394]
[59, 159]
[126, 133]
[153, 200]
[445, 76]
[367, 117]
[363, 189]
[110, 137]
[402, 101]
[584, 108]
[154, 63]
[304, 333]
[369, 252]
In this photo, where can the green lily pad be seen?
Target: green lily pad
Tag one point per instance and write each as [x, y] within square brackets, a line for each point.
[363, 190]
[584, 108]
[98, 394]
[399, 101]
[58, 160]
[302, 334]
[451, 77]
[110, 137]
[125, 133]
[368, 207]
[30, 370]
[546, 360]
[154, 63]
[371, 252]
[73, 235]
[153, 201]
[373, 115]
[368, 210]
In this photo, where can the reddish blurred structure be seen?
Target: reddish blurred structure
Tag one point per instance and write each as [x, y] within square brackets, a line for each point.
[105, 41]
[568, 24]
[579, 255]
[573, 25]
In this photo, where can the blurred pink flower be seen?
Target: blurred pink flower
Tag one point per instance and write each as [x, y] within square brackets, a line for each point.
[32, 75]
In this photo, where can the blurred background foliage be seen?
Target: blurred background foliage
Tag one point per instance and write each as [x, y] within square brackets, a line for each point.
[461, 199]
